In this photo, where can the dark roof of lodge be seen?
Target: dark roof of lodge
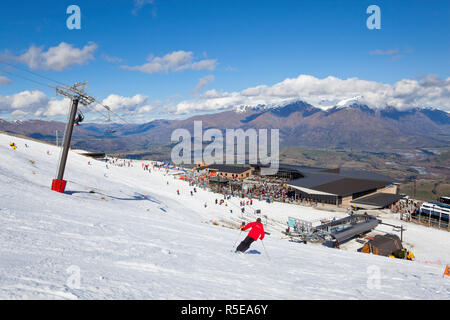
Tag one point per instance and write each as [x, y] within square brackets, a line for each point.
[225, 168]
[291, 167]
[348, 186]
[357, 174]
[312, 180]
[379, 200]
[342, 183]
[327, 174]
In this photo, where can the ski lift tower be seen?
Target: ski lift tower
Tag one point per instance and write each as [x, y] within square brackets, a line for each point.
[76, 95]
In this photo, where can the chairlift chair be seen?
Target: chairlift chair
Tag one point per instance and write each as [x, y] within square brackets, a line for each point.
[109, 130]
[79, 118]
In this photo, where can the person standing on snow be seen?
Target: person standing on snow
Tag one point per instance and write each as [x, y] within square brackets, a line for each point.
[257, 231]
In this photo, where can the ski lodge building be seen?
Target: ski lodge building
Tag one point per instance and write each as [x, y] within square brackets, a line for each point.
[344, 187]
[227, 171]
[340, 187]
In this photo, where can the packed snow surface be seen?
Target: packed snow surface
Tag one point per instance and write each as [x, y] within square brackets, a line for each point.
[124, 233]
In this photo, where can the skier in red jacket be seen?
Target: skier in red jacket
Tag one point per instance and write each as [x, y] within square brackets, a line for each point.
[256, 232]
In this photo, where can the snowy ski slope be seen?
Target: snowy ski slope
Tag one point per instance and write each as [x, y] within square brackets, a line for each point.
[124, 233]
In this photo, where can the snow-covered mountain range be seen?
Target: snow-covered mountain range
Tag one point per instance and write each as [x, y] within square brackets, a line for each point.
[349, 124]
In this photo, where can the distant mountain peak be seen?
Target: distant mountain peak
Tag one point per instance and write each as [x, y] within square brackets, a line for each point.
[357, 100]
[272, 106]
[354, 103]
[245, 108]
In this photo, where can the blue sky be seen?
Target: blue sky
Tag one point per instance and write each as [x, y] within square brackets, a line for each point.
[231, 45]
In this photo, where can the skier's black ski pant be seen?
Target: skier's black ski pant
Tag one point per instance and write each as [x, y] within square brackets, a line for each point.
[245, 244]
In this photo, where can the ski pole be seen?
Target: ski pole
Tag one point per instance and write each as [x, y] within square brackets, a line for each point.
[265, 250]
[237, 239]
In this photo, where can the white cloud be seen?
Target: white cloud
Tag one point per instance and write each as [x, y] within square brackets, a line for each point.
[56, 107]
[119, 103]
[209, 64]
[34, 103]
[406, 93]
[145, 109]
[26, 100]
[112, 59]
[56, 58]
[387, 52]
[427, 91]
[175, 61]
[4, 80]
[203, 82]
[395, 54]
[19, 114]
[230, 68]
[127, 107]
[38, 104]
[138, 4]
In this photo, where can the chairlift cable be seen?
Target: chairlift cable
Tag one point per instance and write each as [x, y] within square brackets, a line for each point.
[34, 73]
[28, 79]
[53, 87]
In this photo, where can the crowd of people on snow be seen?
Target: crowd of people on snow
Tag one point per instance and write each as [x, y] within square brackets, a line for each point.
[408, 206]
[268, 191]
[257, 189]
[119, 162]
